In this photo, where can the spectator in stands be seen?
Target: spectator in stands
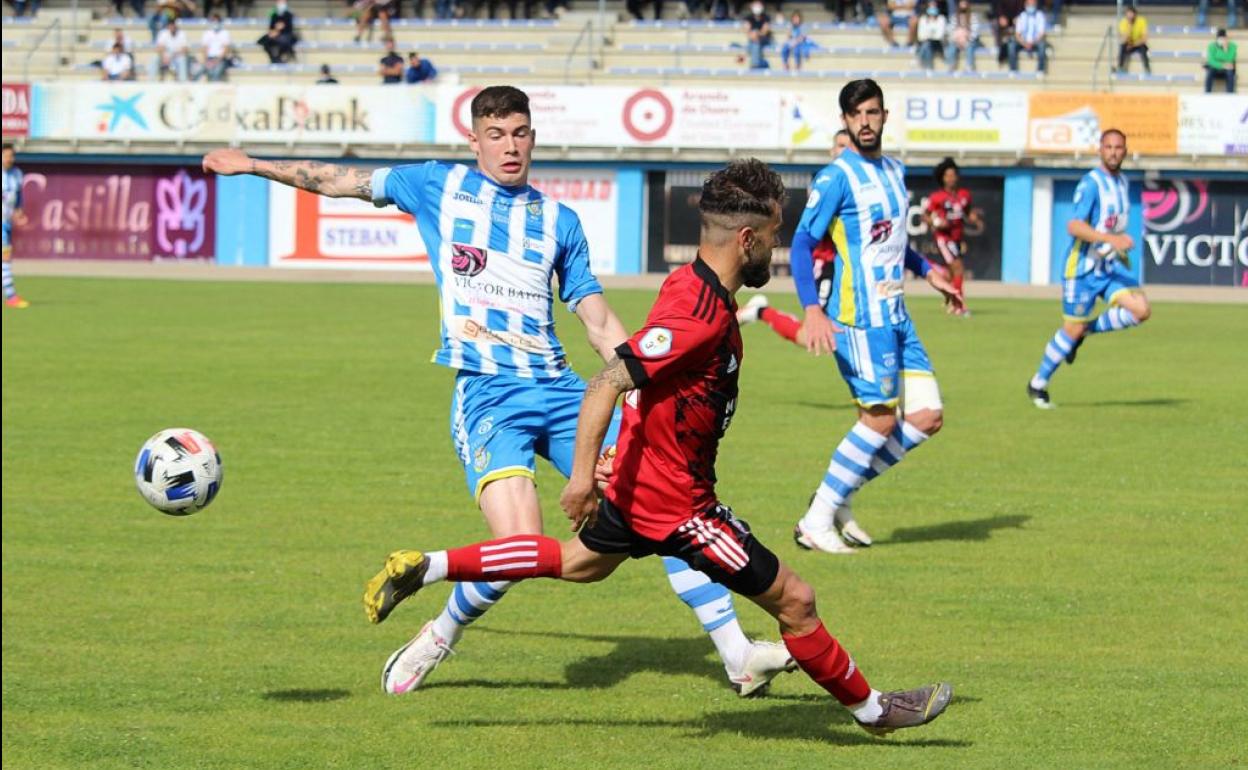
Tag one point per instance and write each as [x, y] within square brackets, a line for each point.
[1232, 10]
[217, 44]
[635, 6]
[280, 39]
[419, 70]
[1220, 62]
[118, 65]
[1133, 32]
[391, 68]
[369, 11]
[1029, 37]
[859, 11]
[169, 9]
[931, 34]
[137, 5]
[121, 38]
[899, 13]
[326, 78]
[556, 8]
[172, 52]
[514, 6]
[1003, 13]
[757, 35]
[22, 7]
[798, 45]
[963, 37]
[1055, 15]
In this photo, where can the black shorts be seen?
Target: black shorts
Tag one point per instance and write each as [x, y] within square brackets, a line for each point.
[714, 542]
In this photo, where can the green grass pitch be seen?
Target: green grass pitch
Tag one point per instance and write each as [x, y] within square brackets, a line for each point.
[1080, 575]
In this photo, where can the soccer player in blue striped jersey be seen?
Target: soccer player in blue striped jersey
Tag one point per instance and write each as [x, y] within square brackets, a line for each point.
[1095, 266]
[494, 244]
[13, 215]
[860, 199]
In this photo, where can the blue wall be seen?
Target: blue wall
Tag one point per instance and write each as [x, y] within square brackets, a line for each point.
[242, 235]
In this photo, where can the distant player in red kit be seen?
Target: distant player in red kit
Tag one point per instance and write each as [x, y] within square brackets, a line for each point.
[680, 373]
[947, 210]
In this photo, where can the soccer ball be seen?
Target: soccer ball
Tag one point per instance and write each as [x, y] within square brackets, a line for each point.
[178, 471]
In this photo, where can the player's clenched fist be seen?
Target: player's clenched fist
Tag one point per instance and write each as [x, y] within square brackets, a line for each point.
[228, 162]
[580, 502]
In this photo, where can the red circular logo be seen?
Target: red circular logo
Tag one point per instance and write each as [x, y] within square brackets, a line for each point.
[648, 115]
[461, 111]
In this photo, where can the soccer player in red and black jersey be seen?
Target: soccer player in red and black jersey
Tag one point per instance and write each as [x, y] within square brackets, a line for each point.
[680, 376]
[947, 210]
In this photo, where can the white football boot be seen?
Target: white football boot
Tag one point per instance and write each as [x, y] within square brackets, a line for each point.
[851, 533]
[764, 662]
[828, 542]
[748, 313]
[407, 668]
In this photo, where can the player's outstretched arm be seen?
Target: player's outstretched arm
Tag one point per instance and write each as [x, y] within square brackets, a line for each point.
[1080, 229]
[329, 179]
[602, 326]
[579, 499]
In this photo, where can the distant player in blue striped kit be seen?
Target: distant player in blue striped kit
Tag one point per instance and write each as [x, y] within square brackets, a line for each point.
[13, 215]
[494, 244]
[860, 199]
[1095, 266]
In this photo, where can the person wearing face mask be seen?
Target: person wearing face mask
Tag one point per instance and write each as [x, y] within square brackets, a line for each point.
[1220, 62]
[217, 44]
[963, 37]
[757, 34]
[931, 34]
[1030, 30]
[279, 41]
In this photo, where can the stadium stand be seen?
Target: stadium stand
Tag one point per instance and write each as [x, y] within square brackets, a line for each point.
[61, 43]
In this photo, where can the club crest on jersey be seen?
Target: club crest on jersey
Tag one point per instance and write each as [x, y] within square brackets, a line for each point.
[534, 208]
[480, 459]
[881, 231]
[656, 342]
[467, 260]
[886, 385]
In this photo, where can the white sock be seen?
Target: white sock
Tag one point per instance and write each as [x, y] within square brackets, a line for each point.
[437, 567]
[732, 645]
[445, 627]
[1038, 383]
[869, 710]
[819, 516]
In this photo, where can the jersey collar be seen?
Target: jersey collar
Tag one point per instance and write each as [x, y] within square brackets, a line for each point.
[704, 271]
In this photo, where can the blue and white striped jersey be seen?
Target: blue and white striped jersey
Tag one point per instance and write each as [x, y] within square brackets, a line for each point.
[493, 250]
[12, 193]
[1102, 200]
[862, 203]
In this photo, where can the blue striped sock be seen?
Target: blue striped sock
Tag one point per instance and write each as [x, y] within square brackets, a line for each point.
[712, 603]
[1112, 320]
[1054, 353]
[850, 462]
[904, 438]
[9, 291]
[467, 603]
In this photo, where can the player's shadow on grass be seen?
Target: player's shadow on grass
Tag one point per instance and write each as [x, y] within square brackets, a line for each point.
[631, 655]
[301, 695]
[1127, 402]
[830, 406]
[820, 720]
[976, 529]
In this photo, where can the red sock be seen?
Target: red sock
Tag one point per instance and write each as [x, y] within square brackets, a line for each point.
[784, 324]
[826, 661]
[957, 283]
[509, 558]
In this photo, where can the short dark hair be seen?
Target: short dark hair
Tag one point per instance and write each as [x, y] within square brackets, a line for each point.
[499, 102]
[942, 167]
[7, 147]
[746, 187]
[844, 132]
[856, 92]
[1109, 131]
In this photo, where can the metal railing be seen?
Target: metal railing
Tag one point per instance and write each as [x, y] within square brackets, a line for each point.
[55, 26]
[1106, 52]
[586, 36]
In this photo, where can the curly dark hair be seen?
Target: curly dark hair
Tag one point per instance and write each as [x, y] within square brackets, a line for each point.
[945, 165]
[499, 102]
[743, 187]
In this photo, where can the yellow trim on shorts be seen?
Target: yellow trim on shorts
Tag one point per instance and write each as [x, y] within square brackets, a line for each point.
[917, 373]
[1083, 319]
[890, 403]
[498, 475]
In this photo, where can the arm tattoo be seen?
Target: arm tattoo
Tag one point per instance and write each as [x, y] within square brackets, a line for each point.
[335, 181]
[614, 375]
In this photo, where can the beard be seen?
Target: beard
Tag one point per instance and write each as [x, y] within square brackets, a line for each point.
[864, 147]
[757, 269]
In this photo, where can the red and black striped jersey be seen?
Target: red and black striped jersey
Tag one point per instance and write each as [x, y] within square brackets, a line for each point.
[685, 361]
